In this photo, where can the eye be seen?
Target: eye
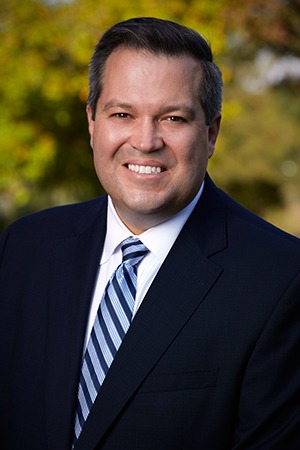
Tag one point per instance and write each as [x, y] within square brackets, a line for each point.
[176, 119]
[121, 115]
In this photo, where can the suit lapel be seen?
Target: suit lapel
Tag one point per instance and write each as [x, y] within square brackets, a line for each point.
[180, 286]
[75, 264]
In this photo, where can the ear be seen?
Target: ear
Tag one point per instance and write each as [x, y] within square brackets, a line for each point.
[213, 131]
[91, 123]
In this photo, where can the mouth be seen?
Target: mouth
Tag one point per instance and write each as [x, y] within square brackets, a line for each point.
[149, 170]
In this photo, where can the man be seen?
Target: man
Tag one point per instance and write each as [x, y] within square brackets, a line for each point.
[211, 358]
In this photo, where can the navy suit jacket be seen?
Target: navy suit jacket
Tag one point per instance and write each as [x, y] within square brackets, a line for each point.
[211, 360]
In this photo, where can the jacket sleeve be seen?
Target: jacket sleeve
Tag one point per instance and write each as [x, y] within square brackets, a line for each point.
[269, 410]
[3, 240]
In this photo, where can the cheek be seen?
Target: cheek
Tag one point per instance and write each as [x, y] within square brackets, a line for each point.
[104, 136]
[193, 157]
[193, 168]
[115, 134]
[103, 150]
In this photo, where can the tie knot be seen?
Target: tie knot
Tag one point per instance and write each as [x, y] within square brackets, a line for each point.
[133, 250]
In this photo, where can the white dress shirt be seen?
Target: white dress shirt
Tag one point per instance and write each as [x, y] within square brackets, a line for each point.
[158, 240]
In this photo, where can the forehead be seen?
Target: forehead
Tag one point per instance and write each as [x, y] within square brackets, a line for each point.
[130, 68]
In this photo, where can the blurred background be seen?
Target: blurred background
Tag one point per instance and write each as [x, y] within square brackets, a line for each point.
[45, 158]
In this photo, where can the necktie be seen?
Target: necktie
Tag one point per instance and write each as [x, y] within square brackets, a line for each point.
[110, 326]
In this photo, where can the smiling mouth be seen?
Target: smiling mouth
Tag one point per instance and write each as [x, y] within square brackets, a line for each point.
[150, 170]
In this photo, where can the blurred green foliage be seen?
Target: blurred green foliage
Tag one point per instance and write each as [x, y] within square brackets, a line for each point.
[45, 49]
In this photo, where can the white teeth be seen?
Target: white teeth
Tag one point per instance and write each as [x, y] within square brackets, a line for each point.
[144, 169]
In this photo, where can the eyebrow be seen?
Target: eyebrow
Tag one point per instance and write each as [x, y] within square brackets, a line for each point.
[115, 104]
[180, 107]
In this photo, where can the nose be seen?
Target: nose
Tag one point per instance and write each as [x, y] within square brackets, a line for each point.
[145, 136]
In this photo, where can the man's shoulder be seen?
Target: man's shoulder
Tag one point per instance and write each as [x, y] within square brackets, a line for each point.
[248, 227]
[245, 228]
[56, 220]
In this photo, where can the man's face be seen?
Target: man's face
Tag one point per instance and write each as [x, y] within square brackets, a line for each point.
[150, 141]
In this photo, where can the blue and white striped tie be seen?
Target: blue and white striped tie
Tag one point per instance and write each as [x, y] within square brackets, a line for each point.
[110, 326]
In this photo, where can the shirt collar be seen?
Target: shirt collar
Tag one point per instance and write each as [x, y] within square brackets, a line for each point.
[158, 239]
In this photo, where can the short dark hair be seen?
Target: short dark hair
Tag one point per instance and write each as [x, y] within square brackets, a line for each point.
[162, 37]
